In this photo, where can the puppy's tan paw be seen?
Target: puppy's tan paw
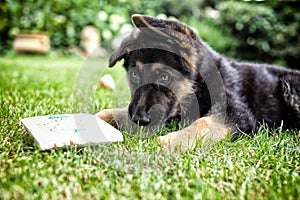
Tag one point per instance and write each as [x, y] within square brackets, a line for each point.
[167, 141]
[180, 141]
[116, 116]
[106, 115]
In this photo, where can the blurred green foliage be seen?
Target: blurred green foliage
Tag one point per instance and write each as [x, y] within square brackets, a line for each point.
[5, 25]
[268, 31]
[265, 31]
[64, 20]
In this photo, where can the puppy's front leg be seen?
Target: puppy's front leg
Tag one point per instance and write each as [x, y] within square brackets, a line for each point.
[116, 116]
[205, 128]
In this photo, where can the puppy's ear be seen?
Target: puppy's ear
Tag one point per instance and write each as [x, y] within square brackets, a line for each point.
[115, 57]
[182, 39]
[148, 23]
[162, 27]
[123, 50]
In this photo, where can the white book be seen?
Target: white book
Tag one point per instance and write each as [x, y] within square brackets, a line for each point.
[52, 131]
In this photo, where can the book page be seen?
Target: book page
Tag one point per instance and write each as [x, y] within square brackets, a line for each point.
[70, 129]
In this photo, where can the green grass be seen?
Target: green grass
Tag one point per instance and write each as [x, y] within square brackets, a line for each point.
[263, 167]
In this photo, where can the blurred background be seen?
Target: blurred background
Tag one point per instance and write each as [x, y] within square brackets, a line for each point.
[262, 31]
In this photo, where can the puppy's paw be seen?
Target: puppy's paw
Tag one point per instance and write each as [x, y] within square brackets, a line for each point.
[205, 129]
[106, 115]
[180, 141]
[117, 116]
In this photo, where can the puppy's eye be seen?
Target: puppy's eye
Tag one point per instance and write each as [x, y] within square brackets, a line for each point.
[134, 76]
[165, 77]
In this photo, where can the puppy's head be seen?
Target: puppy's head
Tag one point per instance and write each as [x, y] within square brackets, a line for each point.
[160, 60]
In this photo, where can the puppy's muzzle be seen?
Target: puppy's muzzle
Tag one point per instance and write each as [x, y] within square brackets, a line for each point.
[146, 107]
[142, 119]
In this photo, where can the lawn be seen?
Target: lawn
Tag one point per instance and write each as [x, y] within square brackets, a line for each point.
[263, 167]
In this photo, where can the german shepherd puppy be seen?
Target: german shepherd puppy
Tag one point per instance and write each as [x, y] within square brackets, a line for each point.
[174, 75]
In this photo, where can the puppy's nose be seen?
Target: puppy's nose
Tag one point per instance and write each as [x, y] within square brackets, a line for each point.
[142, 120]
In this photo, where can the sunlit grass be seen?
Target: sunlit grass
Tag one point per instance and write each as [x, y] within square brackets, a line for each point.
[263, 167]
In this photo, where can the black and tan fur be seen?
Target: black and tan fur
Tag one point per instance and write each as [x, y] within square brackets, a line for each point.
[174, 75]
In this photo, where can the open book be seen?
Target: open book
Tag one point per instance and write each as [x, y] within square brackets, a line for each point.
[53, 131]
